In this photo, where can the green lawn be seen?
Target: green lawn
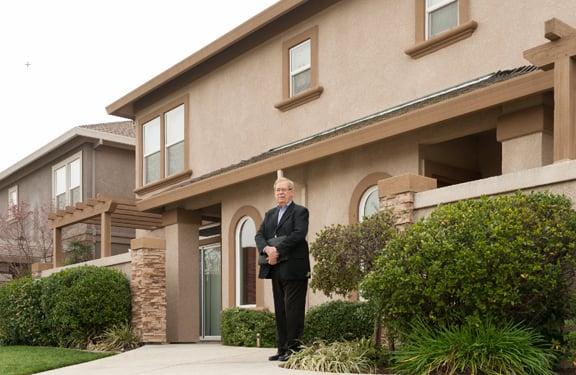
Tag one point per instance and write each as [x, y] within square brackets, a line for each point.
[23, 360]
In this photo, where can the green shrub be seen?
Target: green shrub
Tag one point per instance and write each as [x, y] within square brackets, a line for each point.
[508, 258]
[117, 338]
[355, 357]
[344, 254]
[240, 327]
[81, 303]
[22, 320]
[481, 348]
[338, 320]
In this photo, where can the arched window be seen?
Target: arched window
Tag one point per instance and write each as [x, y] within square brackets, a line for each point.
[369, 203]
[246, 255]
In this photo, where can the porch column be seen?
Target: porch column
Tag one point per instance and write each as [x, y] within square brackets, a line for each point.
[397, 194]
[105, 234]
[558, 54]
[181, 230]
[526, 135]
[564, 109]
[57, 252]
[148, 285]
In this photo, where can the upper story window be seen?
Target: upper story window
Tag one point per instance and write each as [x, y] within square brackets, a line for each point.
[67, 182]
[163, 146]
[440, 23]
[441, 15]
[300, 67]
[300, 70]
[12, 200]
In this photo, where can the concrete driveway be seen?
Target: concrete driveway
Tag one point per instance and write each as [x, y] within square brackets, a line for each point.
[180, 359]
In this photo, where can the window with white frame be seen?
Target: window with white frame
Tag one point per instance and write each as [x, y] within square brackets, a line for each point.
[174, 128]
[163, 139]
[441, 15]
[67, 182]
[246, 255]
[152, 162]
[369, 203]
[300, 67]
[12, 200]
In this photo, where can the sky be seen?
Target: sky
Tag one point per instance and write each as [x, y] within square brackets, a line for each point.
[63, 61]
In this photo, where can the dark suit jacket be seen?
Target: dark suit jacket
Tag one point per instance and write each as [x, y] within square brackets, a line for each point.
[294, 259]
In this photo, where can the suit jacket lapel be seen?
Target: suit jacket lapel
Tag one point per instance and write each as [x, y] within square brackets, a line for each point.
[285, 216]
[274, 218]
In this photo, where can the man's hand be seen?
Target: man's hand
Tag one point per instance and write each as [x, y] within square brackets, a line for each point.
[272, 253]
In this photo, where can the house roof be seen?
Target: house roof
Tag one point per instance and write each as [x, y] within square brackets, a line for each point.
[481, 93]
[397, 110]
[121, 132]
[257, 29]
[123, 128]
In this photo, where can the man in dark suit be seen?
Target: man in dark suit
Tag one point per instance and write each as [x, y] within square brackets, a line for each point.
[288, 266]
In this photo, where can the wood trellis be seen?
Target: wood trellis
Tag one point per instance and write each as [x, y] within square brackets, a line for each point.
[104, 211]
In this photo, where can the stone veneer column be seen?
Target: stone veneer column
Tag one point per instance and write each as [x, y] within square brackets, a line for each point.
[397, 194]
[148, 284]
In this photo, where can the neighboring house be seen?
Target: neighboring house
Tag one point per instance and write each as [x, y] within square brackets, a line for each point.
[354, 100]
[83, 162]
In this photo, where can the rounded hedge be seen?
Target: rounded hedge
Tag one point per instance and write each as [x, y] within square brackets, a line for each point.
[507, 258]
[240, 327]
[22, 320]
[339, 320]
[81, 303]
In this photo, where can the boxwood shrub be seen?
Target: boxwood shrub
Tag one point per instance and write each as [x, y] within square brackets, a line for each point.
[338, 320]
[22, 320]
[81, 303]
[506, 258]
[240, 327]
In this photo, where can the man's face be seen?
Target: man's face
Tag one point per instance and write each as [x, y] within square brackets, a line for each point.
[283, 193]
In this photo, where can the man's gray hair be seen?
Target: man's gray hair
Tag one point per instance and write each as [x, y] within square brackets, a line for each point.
[284, 179]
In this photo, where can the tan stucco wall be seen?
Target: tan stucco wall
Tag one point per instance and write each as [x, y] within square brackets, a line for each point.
[362, 67]
[325, 187]
[114, 171]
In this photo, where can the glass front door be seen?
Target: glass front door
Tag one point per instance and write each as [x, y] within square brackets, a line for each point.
[211, 291]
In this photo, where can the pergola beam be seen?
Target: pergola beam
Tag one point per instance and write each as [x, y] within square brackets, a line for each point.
[555, 29]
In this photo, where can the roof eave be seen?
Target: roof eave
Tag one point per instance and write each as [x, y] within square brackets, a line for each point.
[474, 101]
[123, 107]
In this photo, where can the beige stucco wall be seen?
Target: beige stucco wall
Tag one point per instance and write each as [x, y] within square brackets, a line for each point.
[362, 67]
[325, 187]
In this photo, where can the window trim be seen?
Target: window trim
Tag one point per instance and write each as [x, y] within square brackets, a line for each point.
[164, 181]
[424, 46]
[314, 91]
[239, 225]
[66, 163]
[359, 190]
[364, 199]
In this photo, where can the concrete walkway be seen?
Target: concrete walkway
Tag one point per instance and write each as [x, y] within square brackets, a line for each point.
[180, 359]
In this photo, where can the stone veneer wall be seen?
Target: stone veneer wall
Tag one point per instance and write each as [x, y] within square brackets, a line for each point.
[397, 194]
[148, 284]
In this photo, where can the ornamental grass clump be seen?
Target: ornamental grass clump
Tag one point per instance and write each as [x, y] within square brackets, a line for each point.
[474, 348]
[355, 357]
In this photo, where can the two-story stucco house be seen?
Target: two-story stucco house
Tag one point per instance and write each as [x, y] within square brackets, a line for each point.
[80, 164]
[356, 101]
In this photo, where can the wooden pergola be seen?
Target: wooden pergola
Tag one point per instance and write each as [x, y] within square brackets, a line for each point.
[104, 211]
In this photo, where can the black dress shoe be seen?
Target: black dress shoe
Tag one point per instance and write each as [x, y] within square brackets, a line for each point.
[284, 357]
[275, 357]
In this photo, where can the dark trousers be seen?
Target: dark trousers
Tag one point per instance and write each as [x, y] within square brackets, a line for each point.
[289, 306]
